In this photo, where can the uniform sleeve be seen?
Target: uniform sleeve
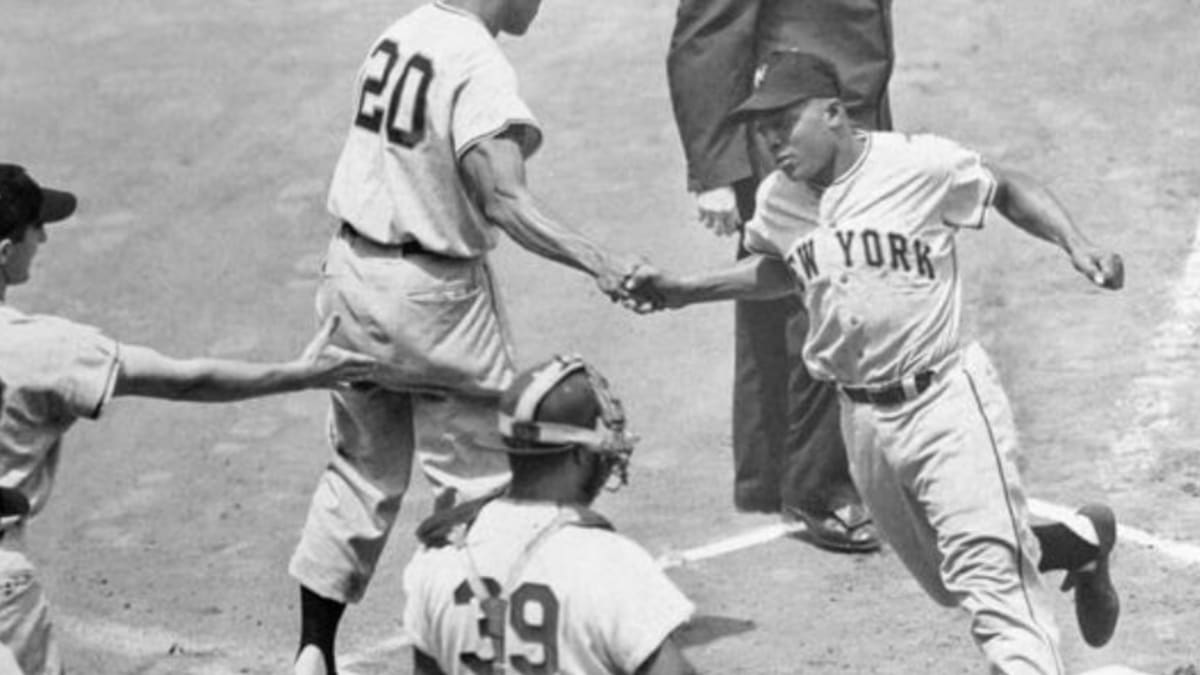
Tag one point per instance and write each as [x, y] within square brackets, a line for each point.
[757, 232]
[639, 607]
[416, 621]
[784, 210]
[970, 187]
[487, 104]
[86, 362]
[710, 70]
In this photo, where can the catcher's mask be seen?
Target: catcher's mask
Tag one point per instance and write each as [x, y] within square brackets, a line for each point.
[565, 403]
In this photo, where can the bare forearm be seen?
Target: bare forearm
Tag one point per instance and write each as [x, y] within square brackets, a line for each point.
[1032, 207]
[523, 219]
[217, 380]
[494, 171]
[753, 278]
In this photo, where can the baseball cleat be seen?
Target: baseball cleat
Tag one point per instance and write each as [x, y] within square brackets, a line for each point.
[1097, 605]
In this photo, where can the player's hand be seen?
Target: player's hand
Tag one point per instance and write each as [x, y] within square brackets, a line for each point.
[717, 211]
[327, 365]
[1103, 268]
[649, 289]
[611, 279]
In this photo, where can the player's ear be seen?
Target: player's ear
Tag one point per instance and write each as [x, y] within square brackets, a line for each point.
[6, 249]
[835, 112]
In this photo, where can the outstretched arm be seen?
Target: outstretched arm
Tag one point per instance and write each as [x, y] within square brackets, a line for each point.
[145, 372]
[756, 277]
[494, 170]
[1031, 207]
[666, 660]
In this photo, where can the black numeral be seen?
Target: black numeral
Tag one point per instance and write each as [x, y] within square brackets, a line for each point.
[406, 108]
[373, 87]
[543, 631]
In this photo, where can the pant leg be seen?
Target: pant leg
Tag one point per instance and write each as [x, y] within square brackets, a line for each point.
[459, 448]
[359, 493]
[759, 391]
[952, 453]
[787, 443]
[438, 318]
[25, 627]
[816, 475]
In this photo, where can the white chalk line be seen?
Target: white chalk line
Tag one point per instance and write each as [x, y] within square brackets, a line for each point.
[117, 638]
[1183, 552]
[1152, 395]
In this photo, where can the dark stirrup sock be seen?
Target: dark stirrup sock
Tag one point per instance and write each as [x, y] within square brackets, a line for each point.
[319, 618]
[1062, 549]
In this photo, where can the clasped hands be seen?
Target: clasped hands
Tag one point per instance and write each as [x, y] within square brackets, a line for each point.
[641, 287]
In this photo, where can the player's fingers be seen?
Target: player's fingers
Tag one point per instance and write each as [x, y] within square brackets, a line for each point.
[322, 338]
[1114, 271]
[329, 327]
[730, 224]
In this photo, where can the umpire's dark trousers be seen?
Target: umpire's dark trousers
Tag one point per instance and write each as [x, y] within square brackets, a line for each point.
[787, 442]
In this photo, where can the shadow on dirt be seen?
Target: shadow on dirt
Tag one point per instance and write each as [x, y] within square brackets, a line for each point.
[705, 629]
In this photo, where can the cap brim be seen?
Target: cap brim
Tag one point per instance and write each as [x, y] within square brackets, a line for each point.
[56, 205]
[761, 102]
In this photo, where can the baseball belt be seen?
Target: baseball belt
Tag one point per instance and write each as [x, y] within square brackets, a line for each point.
[407, 247]
[905, 389]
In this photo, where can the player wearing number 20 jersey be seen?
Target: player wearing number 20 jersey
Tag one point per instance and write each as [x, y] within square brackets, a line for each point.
[431, 170]
[434, 84]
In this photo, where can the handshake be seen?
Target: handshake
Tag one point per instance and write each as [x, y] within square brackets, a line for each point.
[641, 287]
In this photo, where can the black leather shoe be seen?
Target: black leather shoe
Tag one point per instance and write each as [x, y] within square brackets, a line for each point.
[1097, 605]
[848, 529]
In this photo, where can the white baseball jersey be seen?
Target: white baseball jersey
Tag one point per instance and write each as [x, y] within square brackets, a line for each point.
[433, 85]
[588, 602]
[55, 372]
[875, 256]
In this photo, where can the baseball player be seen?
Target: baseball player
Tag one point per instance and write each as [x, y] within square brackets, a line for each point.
[866, 222]
[534, 581]
[788, 453]
[432, 170]
[56, 371]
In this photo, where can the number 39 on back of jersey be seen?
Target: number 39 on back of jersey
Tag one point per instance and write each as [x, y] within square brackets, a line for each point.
[532, 614]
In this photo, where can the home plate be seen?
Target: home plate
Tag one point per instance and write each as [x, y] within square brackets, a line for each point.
[1114, 670]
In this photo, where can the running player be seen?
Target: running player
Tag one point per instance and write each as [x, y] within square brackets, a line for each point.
[533, 581]
[432, 170]
[56, 372]
[867, 221]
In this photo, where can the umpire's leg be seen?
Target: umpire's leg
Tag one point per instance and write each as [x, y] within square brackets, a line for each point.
[816, 475]
[759, 390]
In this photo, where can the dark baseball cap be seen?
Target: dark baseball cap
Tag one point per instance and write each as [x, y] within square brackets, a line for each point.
[23, 201]
[789, 77]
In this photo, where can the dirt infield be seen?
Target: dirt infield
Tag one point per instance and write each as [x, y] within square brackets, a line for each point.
[201, 135]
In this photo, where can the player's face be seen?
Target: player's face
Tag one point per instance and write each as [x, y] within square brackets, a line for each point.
[801, 139]
[596, 474]
[520, 15]
[19, 254]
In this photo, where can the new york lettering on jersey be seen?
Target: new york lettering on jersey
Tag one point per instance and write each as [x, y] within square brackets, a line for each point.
[864, 248]
[874, 252]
